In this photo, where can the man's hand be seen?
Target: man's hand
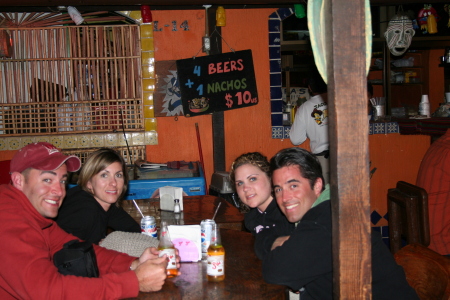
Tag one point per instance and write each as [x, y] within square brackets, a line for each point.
[178, 259]
[151, 274]
[279, 241]
[149, 253]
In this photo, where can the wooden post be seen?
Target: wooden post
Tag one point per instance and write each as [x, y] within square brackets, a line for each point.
[218, 118]
[349, 136]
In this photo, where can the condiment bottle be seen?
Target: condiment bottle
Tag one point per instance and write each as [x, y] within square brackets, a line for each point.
[166, 247]
[176, 206]
[215, 270]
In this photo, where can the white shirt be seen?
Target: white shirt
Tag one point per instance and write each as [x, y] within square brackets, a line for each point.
[311, 121]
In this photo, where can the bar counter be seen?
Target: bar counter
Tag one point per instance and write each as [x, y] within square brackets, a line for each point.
[430, 126]
[243, 277]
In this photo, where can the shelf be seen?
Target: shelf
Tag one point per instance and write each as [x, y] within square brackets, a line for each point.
[401, 68]
[295, 45]
[412, 83]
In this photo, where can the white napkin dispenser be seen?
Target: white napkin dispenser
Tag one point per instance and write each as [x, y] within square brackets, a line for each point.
[167, 195]
[187, 239]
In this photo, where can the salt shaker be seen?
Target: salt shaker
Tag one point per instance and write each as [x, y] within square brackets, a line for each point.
[176, 206]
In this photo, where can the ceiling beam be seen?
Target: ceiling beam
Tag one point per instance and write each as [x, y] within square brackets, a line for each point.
[121, 5]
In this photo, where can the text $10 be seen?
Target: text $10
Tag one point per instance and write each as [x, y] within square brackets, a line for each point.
[245, 97]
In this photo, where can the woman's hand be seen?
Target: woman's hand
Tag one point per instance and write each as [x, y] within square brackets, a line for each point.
[279, 241]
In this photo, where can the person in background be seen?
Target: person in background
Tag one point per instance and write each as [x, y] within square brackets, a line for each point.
[311, 121]
[302, 259]
[91, 207]
[434, 177]
[30, 238]
[250, 175]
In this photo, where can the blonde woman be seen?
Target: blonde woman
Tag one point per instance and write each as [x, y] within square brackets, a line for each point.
[250, 175]
[92, 207]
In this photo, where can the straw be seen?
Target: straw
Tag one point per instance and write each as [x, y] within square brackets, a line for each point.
[138, 208]
[378, 101]
[217, 209]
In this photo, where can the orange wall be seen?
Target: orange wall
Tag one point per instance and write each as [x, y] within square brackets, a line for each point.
[396, 157]
[246, 129]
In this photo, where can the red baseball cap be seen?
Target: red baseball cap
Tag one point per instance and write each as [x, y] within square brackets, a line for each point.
[43, 156]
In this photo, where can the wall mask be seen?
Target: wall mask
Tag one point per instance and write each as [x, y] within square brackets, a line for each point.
[399, 34]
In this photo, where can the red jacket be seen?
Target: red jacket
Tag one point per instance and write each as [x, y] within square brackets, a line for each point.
[434, 177]
[28, 242]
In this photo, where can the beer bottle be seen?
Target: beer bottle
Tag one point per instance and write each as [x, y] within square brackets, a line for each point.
[215, 270]
[166, 247]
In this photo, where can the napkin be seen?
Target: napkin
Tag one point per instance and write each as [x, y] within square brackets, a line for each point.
[131, 243]
[186, 238]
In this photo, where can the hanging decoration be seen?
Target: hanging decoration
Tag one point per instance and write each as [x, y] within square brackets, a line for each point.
[221, 18]
[75, 15]
[299, 10]
[399, 34]
[427, 19]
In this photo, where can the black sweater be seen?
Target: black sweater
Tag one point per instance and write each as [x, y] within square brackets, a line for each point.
[305, 261]
[81, 215]
[266, 227]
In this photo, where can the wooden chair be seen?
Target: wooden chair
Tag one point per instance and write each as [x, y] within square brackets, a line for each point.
[426, 271]
[408, 215]
[4, 171]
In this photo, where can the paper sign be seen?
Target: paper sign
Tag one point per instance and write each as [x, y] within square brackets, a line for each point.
[217, 82]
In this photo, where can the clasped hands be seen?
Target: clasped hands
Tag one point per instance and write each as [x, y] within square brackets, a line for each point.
[151, 270]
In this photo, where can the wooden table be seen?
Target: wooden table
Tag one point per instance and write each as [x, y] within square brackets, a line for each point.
[243, 277]
[195, 209]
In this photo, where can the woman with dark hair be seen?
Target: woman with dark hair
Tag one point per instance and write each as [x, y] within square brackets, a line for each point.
[93, 205]
[251, 177]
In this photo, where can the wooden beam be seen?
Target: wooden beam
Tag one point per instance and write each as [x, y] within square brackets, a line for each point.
[175, 4]
[348, 132]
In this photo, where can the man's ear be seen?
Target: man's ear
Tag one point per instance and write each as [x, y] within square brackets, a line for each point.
[17, 180]
[318, 185]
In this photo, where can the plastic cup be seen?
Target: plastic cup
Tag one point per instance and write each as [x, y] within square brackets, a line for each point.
[379, 112]
[447, 97]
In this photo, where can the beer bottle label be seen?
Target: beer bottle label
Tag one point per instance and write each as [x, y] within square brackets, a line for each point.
[216, 265]
[172, 264]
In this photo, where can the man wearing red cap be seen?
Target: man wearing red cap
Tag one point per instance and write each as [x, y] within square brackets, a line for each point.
[30, 238]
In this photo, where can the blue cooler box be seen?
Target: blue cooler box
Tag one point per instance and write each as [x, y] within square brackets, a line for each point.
[144, 188]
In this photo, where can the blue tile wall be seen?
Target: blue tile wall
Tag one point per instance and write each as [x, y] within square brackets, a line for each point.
[275, 93]
[275, 66]
[276, 106]
[277, 120]
[274, 25]
[275, 80]
[274, 52]
[277, 132]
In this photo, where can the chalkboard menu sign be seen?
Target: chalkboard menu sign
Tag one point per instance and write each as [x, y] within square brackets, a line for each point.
[217, 82]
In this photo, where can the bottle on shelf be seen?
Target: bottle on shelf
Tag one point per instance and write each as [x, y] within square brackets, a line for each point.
[215, 270]
[166, 246]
